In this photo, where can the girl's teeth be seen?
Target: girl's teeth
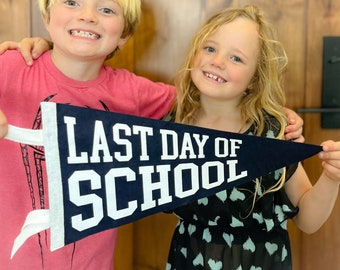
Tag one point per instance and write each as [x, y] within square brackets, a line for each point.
[214, 77]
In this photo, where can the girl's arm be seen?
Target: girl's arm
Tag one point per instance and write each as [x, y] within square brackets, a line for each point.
[316, 202]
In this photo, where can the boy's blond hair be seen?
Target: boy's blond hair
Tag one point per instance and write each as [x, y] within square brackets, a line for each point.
[131, 9]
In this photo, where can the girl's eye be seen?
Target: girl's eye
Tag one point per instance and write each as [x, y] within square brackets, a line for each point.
[71, 3]
[236, 59]
[209, 49]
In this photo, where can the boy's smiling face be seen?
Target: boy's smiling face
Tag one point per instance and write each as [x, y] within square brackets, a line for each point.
[90, 29]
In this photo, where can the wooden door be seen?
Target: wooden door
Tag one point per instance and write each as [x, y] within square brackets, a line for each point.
[322, 249]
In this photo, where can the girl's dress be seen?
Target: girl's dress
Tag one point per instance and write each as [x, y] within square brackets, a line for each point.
[228, 232]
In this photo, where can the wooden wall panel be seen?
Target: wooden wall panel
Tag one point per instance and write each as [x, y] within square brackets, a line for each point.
[124, 255]
[14, 19]
[157, 50]
[162, 39]
[37, 26]
[322, 249]
[125, 57]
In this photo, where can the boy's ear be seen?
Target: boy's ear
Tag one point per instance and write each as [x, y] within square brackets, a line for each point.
[123, 40]
[45, 20]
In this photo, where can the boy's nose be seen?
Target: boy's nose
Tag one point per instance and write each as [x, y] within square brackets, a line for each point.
[88, 15]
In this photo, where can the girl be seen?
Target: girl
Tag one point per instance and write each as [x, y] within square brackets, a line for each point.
[231, 81]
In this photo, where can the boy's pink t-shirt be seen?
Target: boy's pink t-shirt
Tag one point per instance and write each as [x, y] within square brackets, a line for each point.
[23, 188]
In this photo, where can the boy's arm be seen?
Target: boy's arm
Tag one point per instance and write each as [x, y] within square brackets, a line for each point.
[30, 48]
[294, 129]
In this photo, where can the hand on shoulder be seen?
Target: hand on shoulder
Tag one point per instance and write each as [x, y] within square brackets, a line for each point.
[30, 48]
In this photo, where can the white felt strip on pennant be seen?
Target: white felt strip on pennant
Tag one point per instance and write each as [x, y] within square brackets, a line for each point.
[36, 221]
[26, 136]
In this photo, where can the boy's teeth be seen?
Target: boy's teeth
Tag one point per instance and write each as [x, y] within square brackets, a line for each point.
[84, 34]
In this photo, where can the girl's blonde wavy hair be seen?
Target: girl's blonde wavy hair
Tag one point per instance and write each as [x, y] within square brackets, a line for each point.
[131, 10]
[266, 93]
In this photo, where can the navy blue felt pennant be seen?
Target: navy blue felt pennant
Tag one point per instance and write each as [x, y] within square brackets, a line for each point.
[107, 169]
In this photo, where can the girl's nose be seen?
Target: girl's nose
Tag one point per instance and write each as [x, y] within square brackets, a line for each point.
[219, 61]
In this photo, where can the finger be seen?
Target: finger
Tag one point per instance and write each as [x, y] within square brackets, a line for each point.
[330, 145]
[300, 139]
[294, 130]
[26, 51]
[296, 121]
[8, 45]
[40, 46]
[332, 157]
[3, 125]
[295, 136]
[331, 170]
[293, 118]
[330, 152]
[334, 163]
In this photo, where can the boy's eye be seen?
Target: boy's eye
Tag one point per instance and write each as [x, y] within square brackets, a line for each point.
[107, 11]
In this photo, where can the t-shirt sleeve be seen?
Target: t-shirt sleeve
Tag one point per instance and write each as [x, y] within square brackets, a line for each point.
[155, 98]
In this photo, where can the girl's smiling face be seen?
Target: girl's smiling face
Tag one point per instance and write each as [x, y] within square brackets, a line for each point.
[86, 28]
[225, 65]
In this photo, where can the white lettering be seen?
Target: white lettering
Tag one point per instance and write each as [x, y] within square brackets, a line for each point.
[234, 144]
[149, 186]
[201, 144]
[72, 157]
[232, 171]
[144, 132]
[74, 183]
[206, 174]
[116, 137]
[194, 178]
[111, 193]
[187, 147]
[165, 146]
[100, 144]
[225, 147]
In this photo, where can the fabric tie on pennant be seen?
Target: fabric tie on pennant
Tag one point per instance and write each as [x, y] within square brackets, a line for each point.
[36, 222]
[26, 136]
[107, 169]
